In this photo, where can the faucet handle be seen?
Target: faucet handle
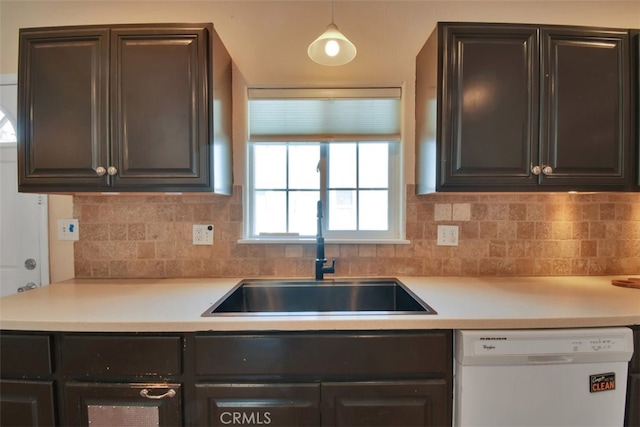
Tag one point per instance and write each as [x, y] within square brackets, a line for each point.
[331, 269]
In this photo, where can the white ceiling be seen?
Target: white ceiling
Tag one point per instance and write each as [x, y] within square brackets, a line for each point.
[268, 39]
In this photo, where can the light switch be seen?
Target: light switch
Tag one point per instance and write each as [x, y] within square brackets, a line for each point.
[68, 229]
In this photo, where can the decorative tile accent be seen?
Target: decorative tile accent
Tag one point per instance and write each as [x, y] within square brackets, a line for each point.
[461, 212]
[442, 212]
[511, 234]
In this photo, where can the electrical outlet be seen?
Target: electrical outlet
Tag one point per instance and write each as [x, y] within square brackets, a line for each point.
[448, 235]
[203, 234]
[68, 229]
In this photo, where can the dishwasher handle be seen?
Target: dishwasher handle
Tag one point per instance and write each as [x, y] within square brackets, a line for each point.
[549, 359]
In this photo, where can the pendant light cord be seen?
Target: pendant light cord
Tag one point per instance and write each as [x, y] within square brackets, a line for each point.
[332, 12]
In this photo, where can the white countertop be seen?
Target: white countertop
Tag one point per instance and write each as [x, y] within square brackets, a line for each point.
[176, 305]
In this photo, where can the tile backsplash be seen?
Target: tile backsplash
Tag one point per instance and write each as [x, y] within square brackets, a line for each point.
[500, 234]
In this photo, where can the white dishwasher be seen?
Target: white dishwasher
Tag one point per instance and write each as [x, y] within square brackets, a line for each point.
[542, 377]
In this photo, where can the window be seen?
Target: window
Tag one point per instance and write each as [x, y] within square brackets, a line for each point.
[341, 147]
[7, 131]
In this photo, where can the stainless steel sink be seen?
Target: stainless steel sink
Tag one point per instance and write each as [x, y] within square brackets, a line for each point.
[291, 297]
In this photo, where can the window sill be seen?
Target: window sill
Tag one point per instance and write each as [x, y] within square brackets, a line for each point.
[329, 241]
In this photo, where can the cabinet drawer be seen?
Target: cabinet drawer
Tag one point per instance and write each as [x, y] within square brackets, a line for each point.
[121, 355]
[397, 354]
[257, 404]
[25, 355]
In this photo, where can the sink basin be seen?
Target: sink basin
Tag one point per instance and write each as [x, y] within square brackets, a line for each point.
[353, 296]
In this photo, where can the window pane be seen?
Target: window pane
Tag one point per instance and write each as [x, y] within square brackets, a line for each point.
[342, 210]
[374, 210]
[303, 166]
[270, 212]
[7, 131]
[303, 212]
[270, 166]
[374, 165]
[342, 165]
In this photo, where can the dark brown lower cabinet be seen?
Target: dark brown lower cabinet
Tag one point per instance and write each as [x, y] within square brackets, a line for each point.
[348, 404]
[27, 387]
[126, 404]
[297, 378]
[396, 403]
[632, 415]
[323, 378]
[122, 379]
[26, 403]
[633, 401]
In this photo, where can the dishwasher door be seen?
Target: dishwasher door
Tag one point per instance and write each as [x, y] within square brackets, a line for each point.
[571, 377]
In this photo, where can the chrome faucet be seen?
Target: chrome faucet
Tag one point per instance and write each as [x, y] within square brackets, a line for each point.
[320, 258]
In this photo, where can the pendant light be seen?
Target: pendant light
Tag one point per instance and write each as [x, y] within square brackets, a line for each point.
[332, 47]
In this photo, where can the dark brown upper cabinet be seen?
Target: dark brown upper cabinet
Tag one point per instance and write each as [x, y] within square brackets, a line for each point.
[635, 80]
[515, 107]
[124, 108]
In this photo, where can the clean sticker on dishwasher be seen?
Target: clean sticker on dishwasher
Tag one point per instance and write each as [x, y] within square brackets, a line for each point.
[602, 382]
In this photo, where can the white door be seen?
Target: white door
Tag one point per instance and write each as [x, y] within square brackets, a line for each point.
[24, 261]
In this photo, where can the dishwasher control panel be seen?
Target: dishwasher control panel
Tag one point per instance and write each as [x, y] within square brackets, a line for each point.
[504, 345]
[544, 346]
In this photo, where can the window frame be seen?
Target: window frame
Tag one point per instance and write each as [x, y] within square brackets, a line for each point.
[396, 197]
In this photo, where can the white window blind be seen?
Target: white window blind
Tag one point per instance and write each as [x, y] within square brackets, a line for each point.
[324, 114]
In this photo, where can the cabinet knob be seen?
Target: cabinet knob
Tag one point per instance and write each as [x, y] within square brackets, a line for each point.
[547, 170]
[112, 170]
[100, 171]
[536, 170]
[145, 393]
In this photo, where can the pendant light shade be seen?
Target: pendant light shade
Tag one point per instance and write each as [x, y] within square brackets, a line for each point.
[332, 47]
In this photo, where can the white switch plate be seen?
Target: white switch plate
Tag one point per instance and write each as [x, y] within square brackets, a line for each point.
[203, 234]
[68, 229]
[448, 235]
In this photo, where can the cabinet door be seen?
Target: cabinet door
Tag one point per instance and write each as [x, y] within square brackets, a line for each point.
[635, 81]
[632, 414]
[26, 403]
[257, 404]
[160, 117]
[108, 405]
[398, 403]
[488, 127]
[585, 100]
[62, 108]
